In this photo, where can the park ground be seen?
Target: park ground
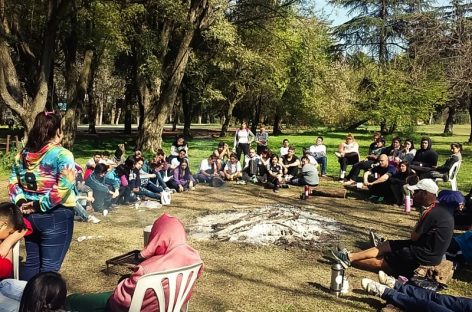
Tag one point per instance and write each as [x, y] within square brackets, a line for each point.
[241, 277]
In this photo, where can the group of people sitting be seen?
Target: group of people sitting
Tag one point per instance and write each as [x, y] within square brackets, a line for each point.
[390, 171]
[431, 243]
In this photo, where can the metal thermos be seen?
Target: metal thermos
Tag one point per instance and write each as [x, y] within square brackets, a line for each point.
[337, 278]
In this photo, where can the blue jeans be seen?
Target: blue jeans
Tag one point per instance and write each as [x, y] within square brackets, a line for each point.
[323, 161]
[47, 246]
[11, 291]
[412, 298]
[81, 212]
[150, 190]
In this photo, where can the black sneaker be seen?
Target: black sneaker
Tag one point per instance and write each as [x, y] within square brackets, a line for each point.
[374, 239]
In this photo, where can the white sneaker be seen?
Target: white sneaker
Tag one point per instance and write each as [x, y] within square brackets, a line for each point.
[338, 154]
[93, 219]
[105, 212]
[386, 279]
[372, 287]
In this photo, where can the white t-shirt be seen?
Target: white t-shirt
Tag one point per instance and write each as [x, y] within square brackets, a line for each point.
[320, 149]
[233, 168]
[204, 165]
[283, 151]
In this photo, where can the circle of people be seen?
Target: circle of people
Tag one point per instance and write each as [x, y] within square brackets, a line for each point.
[45, 183]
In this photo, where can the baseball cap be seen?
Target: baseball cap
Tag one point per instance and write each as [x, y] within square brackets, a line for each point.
[427, 185]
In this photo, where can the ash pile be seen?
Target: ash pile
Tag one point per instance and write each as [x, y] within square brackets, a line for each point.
[281, 225]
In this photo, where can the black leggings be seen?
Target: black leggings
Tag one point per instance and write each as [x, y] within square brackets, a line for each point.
[348, 159]
[242, 148]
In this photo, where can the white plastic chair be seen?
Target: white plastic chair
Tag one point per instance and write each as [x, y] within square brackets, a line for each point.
[452, 176]
[16, 260]
[155, 281]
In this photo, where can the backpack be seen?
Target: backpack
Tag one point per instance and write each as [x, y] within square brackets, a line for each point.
[217, 182]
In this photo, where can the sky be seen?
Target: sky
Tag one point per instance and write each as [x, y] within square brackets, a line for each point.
[338, 15]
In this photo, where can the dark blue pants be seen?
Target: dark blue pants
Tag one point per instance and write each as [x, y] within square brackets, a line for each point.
[323, 161]
[412, 298]
[47, 246]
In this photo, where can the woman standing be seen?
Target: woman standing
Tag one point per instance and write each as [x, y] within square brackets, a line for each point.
[42, 184]
[242, 140]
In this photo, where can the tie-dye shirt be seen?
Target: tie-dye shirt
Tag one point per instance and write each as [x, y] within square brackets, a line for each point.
[46, 177]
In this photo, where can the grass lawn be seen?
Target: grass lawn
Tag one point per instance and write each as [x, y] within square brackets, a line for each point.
[241, 277]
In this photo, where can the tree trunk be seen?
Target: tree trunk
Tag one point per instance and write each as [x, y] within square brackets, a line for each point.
[92, 100]
[257, 114]
[277, 128]
[187, 109]
[470, 118]
[76, 91]
[448, 126]
[130, 98]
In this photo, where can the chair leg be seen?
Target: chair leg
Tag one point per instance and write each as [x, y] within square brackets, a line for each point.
[454, 185]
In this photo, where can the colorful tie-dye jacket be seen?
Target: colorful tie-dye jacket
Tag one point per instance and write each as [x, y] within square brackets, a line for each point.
[46, 177]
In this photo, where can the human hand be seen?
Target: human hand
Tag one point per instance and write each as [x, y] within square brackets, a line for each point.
[27, 208]
[4, 250]
[181, 188]
[115, 194]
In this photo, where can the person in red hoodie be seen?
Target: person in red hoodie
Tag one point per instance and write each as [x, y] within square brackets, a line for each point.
[167, 249]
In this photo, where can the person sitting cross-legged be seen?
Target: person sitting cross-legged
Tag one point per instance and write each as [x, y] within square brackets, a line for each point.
[252, 164]
[308, 176]
[427, 245]
[411, 298]
[209, 168]
[290, 164]
[377, 179]
[232, 169]
[102, 193]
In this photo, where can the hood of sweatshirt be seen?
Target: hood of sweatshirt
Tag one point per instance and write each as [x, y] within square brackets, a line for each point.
[31, 160]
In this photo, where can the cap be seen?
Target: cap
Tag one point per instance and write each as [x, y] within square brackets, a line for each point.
[451, 198]
[427, 185]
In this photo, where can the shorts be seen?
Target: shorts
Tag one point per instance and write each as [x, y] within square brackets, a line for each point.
[6, 268]
[401, 259]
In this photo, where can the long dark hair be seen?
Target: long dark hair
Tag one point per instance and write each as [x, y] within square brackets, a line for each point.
[44, 129]
[45, 292]
[184, 173]
[13, 215]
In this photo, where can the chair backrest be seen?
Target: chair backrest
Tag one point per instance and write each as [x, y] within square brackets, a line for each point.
[454, 170]
[16, 260]
[155, 281]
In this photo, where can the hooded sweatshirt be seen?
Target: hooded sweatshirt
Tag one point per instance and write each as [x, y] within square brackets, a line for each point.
[46, 177]
[167, 249]
[426, 157]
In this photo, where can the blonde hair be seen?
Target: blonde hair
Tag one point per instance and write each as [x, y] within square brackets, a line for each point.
[349, 136]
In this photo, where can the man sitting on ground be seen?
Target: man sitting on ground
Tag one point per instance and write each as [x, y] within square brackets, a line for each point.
[251, 166]
[427, 245]
[377, 179]
[366, 164]
[209, 168]
[290, 164]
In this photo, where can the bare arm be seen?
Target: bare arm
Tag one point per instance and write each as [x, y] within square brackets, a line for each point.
[8, 242]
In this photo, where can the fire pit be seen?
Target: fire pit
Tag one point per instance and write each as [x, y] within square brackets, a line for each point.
[277, 224]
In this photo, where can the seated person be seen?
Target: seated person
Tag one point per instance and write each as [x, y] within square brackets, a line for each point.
[102, 193]
[222, 152]
[308, 176]
[394, 151]
[91, 163]
[460, 249]
[265, 162]
[371, 159]
[81, 204]
[46, 291]
[318, 151]
[209, 168]
[409, 189]
[348, 154]
[275, 174]
[167, 249]
[175, 162]
[13, 227]
[178, 145]
[290, 164]
[442, 172]
[232, 170]
[159, 166]
[426, 159]
[140, 184]
[408, 152]
[411, 298]
[427, 245]
[252, 164]
[183, 179]
[401, 177]
[284, 148]
[377, 179]
[119, 155]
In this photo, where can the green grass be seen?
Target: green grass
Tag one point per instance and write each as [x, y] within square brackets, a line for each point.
[240, 277]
